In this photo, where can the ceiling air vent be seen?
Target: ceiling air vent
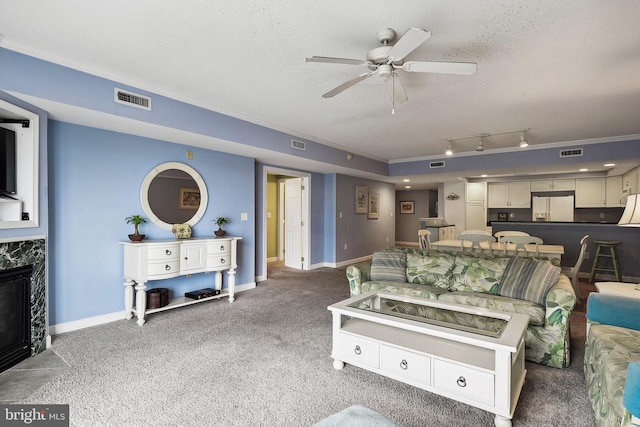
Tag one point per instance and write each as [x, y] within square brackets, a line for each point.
[433, 165]
[574, 152]
[132, 99]
[298, 145]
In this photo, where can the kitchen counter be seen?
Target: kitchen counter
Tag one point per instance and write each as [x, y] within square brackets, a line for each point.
[568, 234]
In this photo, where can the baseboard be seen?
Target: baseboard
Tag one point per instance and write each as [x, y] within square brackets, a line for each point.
[353, 261]
[408, 244]
[272, 259]
[75, 325]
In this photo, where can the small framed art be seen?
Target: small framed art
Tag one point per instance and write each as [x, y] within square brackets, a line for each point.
[407, 207]
[362, 199]
[374, 206]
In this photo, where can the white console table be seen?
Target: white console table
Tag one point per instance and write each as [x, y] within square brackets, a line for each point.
[164, 259]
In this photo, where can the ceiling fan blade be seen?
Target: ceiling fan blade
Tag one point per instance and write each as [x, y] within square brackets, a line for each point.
[409, 42]
[395, 89]
[347, 85]
[463, 68]
[330, 60]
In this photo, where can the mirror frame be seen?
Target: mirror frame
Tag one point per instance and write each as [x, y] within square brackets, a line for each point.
[144, 190]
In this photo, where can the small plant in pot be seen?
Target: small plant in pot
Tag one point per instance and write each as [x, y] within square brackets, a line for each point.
[219, 222]
[136, 220]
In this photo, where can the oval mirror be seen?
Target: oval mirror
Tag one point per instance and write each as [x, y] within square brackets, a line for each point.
[173, 193]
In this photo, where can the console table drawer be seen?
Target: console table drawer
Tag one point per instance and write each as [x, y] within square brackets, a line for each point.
[464, 382]
[164, 269]
[405, 364]
[359, 350]
[223, 247]
[218, 261]
[166, 252]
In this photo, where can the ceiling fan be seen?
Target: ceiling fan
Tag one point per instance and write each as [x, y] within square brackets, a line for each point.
[385, 60]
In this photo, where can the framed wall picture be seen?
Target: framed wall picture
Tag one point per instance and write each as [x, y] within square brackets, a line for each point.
[408, 207]
[189, 198]
[362, 199]
[374, 206]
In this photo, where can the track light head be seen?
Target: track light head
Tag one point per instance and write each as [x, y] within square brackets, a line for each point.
[449, 150]
[523, 142]
[480, 147]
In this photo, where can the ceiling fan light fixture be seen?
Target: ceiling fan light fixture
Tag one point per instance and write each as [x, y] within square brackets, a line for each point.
[523, 142]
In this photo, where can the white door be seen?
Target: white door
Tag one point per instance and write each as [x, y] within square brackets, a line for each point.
[293, 223]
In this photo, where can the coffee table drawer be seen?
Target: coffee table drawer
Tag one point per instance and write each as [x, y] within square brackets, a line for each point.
[464, 382]
[355, 349]
[405, 365]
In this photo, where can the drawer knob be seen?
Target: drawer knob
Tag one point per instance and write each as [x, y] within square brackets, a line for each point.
[357, 350]
[221, 260]
[167, 267]
[222, 247]
[462, 382]
[168, 252]
[404, 364]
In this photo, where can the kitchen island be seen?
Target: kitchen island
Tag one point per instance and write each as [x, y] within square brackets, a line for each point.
[568, 234]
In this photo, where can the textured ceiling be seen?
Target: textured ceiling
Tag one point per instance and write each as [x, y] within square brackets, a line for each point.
[567, 70]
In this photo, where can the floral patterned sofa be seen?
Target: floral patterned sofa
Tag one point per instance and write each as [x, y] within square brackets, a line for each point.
[534, 287]
[612, 359]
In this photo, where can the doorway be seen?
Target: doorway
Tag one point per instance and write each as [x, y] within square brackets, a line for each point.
[287, 218]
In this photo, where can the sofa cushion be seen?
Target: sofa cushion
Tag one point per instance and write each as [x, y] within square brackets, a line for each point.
[389, 265]
[528, 279]
[421, 291]
[432, 269]
[609, 350]
[535, 312]
[477, 274]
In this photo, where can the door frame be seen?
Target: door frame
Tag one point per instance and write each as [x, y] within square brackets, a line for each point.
[306, 213]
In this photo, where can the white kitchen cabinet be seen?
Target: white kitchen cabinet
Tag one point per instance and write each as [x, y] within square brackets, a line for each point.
[590, 193]
[553, 185]
[476, 206]
[476, 192]
[442, 233]
[631, 183]
[515, 194]
[614, 196]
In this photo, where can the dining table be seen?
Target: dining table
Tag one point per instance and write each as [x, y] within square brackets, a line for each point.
[498, 248]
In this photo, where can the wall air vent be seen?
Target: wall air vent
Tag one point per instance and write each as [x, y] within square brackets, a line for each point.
[574, 152]
[132, 99]
[433, 165]
[298, 145]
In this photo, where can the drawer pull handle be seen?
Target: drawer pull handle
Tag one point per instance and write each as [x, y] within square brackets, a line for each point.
[222, 247]
[221, 260]
[462, 382]
[168, 252]
[167, 267]
[357, 350]
[404, 364]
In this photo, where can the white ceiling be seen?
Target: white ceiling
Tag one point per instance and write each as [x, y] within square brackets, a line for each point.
[567, 70]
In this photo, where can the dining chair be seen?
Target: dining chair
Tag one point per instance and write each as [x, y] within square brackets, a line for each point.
[476, 239]
[424, 239]
[572, 272]
[499, 234]
[520, 242]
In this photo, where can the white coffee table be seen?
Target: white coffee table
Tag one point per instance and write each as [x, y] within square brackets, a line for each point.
[628, 290]
[469, 354]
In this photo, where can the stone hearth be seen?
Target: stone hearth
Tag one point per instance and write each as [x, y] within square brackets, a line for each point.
[23, 253]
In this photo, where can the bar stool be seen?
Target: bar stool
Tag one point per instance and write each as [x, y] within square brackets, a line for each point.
[611, 244]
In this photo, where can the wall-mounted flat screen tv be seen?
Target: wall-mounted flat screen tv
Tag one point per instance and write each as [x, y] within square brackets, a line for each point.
[7, 161]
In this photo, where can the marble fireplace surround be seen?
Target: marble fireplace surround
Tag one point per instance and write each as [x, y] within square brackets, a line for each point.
[20, 253]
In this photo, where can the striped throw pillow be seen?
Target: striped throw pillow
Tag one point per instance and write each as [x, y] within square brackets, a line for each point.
[389, 265]
[528, 279]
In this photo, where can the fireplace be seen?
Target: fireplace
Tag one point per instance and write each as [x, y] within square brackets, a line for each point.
[15, 316]
[26, 260]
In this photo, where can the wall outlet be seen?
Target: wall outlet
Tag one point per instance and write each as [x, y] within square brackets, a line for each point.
[345, 246]
[601, 215]
[189, 155]
[512, 215]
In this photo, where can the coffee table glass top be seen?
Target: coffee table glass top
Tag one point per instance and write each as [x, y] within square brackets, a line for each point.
[460, 318]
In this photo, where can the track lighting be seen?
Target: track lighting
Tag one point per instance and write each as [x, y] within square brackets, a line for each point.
[480, 147]
[449, 150]
[523, 142]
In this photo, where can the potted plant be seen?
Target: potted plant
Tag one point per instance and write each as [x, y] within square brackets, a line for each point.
[219, 222]
[136, 220]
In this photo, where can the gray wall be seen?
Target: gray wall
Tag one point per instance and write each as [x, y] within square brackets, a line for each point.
[407, 225]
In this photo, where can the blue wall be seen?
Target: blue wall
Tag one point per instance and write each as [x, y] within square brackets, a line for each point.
[94, 183]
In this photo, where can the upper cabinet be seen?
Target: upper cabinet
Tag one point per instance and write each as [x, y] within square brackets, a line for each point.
[553, 185]
[631, 182]
[590, 193]
[614, 196]
[516, 194]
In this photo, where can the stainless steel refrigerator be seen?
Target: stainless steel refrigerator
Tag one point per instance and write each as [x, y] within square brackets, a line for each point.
[552, 208]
